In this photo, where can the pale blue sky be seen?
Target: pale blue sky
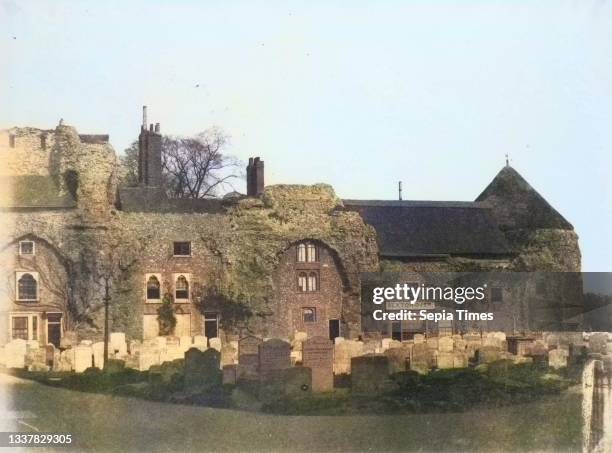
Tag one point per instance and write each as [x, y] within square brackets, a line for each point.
[361, 96]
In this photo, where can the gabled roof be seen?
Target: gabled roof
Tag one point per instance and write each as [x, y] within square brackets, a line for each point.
[432, 228]
[33, 191]
[517, 205]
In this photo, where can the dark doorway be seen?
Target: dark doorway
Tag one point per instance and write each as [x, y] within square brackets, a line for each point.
[54, 329]
[334, 328]
[211, 325]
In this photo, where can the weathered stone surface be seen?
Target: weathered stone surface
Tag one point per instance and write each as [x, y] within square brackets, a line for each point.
[370, 374]
[398, 359]
[248, 355]
[15, 352]
[202, 370]
[488, 354]
[83, 356]
[598, 343]
[215, 343]
[118, 346]
[445, 360]
[343, 353]
[274, 355]
[288, 382]
[229, 374]
[446, 344]
[318, 355]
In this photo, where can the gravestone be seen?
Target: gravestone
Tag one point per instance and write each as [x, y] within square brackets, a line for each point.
[248, 355]
[445, 360]
[229, 374]
[343, 353]
[98, 354]
[274, 354]
[82, 358]
[228, 355]
[557, 358]
[202, 369]
[446, 344]
[15, 352]
[318, 355]
[598, 343]
[418, 338]
[185, 343]
[460, 359]
[200, 342]
[488, 354]
[288, 382]
[50, 355]
[370, 374]
[118, 346]
[398, 359]
[421, 358]
[215, 343]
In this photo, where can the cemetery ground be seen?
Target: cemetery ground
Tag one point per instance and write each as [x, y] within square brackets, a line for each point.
[501, 407]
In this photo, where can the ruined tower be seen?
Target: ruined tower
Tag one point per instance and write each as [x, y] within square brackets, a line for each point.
[255, 177]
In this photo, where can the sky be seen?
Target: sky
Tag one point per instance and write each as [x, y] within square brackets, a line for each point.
[356, 94]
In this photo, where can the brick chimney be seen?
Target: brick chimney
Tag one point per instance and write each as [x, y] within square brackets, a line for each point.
[255, 177]
[149, 153]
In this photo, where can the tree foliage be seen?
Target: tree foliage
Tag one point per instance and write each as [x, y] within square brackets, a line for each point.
[192, 167]
[165, 316]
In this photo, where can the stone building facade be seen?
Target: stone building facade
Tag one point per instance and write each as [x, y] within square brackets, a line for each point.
[279, 260]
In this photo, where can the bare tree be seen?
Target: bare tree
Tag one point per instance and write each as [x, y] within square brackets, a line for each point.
[192, 167]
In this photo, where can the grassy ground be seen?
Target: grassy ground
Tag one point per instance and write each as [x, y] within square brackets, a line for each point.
[110, 423]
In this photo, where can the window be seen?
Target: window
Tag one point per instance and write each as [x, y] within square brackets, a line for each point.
[302, 282]
[182, 249]
[20, 327]
[307, 253]
[153, 288]
[311, 253]
[301, 253]
[181, 288]
[313, 281]
[27, 286]
[43, 141]
[497, 295]
[24, 326]
[308, 282]
[211, 325]
[26, 247]
[309, 314]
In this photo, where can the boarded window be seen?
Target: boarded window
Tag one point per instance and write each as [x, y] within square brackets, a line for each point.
[26, 247]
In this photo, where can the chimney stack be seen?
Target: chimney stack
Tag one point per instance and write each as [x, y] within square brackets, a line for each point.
[149, 153]
[255, 177]
[399, 187]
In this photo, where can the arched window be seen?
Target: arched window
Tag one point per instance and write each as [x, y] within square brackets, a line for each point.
[27, 287]
[181, 288]
[313, 281]
[311, 253]
[301, 253]
[153, 288]
[302, 282]
[309, 315]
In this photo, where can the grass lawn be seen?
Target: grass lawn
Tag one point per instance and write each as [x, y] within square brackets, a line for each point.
[110, 423]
